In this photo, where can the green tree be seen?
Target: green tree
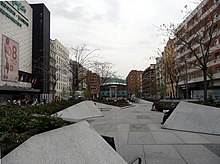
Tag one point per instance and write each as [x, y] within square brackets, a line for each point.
[87, 94]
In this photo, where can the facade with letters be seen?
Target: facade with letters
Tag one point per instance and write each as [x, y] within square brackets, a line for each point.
[15, 47]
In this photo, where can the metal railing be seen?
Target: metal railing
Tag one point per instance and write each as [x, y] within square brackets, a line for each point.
[137, 159]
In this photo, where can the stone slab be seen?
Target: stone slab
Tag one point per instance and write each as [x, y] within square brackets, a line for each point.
[197, 154]
[123, 127]
[122, 138]
[194, 118]
[212, 138]
[140, 138]
[143, 117]
[162, 154]
[81, 111]
[141, 101]
[103, 107]
[156, 128]
[191, 138]
[102, 127]
[131, 152]
[214, 148]
[78, 143]
[139, 128]
[166, 138]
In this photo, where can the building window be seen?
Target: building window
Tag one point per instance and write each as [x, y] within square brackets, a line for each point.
[209, 58]
[216, 42]
[200, 13]
[218, 69]
[217, 55]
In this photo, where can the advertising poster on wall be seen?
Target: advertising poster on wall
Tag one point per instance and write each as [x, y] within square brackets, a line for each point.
[10, 62]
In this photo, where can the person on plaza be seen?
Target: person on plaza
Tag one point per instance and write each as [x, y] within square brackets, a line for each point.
[35, 102]
[9, 102]
[167, 113]
[19, 102]
[7, 54]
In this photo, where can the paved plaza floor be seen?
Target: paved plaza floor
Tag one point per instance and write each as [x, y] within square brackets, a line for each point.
[137, 133]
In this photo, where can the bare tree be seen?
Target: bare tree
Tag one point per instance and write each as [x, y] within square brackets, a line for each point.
[48, 71]
[82, 59]
[197, 35]
[168, 70]
[104, 70]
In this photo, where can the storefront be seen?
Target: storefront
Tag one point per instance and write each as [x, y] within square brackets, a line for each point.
[15, 49]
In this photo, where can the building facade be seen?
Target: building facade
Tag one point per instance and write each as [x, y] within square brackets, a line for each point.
[199, 29]
[41, 49]
[53, 70]
[93, 84]
[114, 88]
[73, 75]
[160, 77]
[82, 73]
[149, 88]
[170, 69]
[134, 82]
[60, 55]
[16, 49]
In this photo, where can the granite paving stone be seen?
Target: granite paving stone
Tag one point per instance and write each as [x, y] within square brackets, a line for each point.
[214, 148]
[191, 138]
[142, 117]
[211, 138]
[127, 120]
[162, 154]
[156, 128]
[123, 127]
[102, 127]
[137, 132]
[113, 128]
[166, 138]
[122, 138]
[197, 154]
[143, 138]
[139, 128]
[144, 121]
[131, 152]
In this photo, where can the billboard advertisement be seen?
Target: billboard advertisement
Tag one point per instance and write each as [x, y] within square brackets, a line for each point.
[10, 62]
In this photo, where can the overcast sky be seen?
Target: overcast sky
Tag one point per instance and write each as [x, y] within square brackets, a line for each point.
[123, 29]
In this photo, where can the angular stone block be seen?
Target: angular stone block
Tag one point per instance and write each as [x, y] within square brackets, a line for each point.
[194, 118]
[74, 144]
[81, 111]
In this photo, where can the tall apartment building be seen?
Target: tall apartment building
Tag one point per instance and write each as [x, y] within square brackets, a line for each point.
[73, 75]
[52, 70]
[134, 82]
[149, 82]
[195, 29]
[82, 73]
[93, 84]
[41, 49]
[170, 70]
[160, 77]
[60, 55]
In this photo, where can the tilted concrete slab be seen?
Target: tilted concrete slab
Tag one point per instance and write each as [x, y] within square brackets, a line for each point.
[103, 107]
[81, 111]
[142, 101]
[195, 118]
[74, 144]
